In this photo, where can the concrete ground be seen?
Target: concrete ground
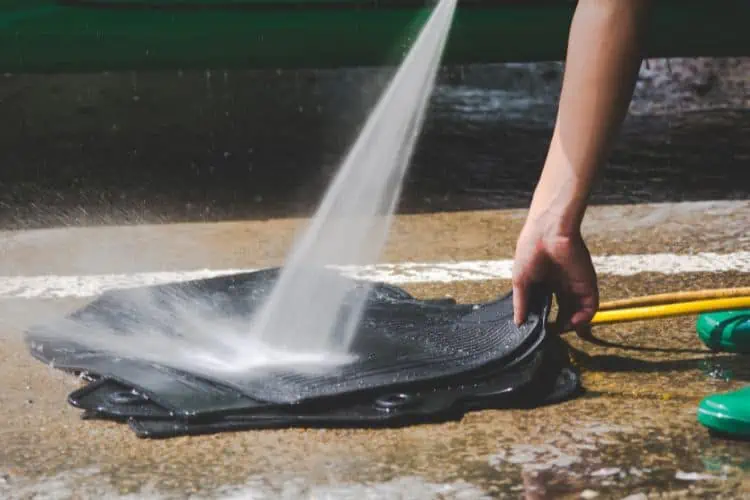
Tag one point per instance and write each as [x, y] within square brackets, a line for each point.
[220, 162]
[633, 432]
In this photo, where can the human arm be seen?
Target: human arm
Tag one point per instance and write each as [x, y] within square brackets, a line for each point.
[603, 58]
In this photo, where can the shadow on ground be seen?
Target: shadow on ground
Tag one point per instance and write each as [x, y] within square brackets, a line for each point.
[717, 366]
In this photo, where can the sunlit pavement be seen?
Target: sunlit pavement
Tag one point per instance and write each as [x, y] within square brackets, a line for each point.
[633, 432]
[242, 152]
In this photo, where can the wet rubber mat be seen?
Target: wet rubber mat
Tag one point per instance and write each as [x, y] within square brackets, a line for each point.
[414, 360]
[544, 378]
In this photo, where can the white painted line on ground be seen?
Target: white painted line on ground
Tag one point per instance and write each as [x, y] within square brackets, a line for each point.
[53, 286]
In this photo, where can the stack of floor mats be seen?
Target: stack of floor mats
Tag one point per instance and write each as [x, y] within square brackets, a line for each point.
[414, 361]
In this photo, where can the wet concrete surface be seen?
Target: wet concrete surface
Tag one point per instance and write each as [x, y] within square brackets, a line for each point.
[83, 149]
[467, 235]
[634, 431]
[633, 434]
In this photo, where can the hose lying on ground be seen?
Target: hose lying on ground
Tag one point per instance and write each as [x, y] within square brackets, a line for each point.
[666, 305]
[663, 310]
[675, 297]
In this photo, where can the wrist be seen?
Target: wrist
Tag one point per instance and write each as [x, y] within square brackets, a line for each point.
[559, 202]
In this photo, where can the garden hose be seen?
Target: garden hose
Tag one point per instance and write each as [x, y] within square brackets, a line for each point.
[674, 297]
[669, 305]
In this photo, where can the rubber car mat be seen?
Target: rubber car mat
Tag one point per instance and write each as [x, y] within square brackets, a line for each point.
[161, 429]
[401, 341]
[112, 399]
[544, 378]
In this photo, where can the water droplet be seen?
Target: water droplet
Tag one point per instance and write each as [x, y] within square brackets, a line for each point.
[716, 371]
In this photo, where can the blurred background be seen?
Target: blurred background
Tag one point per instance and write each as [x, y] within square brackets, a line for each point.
[123, 148]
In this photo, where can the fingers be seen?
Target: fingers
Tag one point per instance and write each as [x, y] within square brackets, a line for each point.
[566, 306]
[520, 306]
[587, 307]
[579, 297]
[564, 265]
[520, 280]
[520, 303]
[582, 318]
[529, 267]
[576, 308]
[525, 274]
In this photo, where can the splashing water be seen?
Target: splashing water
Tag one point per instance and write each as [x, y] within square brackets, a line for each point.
[352, 222]
[308, 319]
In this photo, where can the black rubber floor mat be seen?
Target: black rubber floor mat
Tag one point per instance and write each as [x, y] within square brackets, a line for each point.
[544, 377]
[434, 408]
[441, 353]
[400, 340]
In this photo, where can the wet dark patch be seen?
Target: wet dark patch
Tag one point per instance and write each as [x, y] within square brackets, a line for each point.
[236, 145]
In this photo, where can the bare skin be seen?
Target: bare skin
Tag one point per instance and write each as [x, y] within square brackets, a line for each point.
[603, 58]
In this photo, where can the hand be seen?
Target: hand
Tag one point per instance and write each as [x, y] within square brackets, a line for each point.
[561, 262]
[601, 68]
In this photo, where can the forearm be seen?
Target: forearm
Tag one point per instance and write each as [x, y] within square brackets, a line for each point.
[602, 62]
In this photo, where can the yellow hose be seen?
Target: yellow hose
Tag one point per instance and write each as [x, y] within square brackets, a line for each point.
[668, 298]
[669, 310]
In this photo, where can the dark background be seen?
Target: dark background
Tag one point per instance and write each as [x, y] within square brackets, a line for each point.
[130, 148]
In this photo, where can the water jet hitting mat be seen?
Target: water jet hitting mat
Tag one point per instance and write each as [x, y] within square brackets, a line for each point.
[416, 361]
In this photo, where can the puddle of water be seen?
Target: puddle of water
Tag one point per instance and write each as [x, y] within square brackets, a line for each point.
[598, 458]
[716, 371]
